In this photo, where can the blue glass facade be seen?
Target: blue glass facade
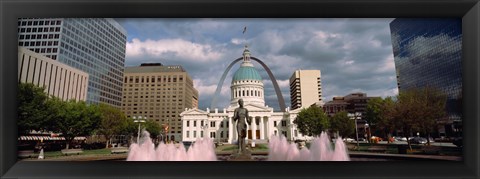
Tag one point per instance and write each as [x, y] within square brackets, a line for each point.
[93, 45]
[428, 53]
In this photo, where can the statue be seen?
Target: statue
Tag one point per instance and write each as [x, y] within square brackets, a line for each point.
[241, 114]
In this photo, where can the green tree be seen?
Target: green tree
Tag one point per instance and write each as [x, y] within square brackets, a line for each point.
[113, 122]
[312, 121]
[419, 109]
[342, 124]
[72, 118]
[32, 108]
[153, 128]
[374, 112]
[433, 102]
[388, 120]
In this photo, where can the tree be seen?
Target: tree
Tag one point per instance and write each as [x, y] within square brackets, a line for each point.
[113, 122]
[433, 103]
[153, 128]
[419, 109]
[374, 112]
[32, 112]
[342, 124]
[388, 120]
[312, 121]
[73, 118]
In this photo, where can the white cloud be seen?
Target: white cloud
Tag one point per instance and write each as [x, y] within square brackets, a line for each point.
[387, 65]
[178, 47]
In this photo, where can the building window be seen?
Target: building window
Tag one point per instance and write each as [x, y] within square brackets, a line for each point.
[188, 123]
[274, 123]
[188, 134]
[194, 134]
[212, 124]
[201, 134]
[194, 123]
[284, 123]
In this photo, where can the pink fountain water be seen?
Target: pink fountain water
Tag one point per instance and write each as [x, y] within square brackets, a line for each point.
[201, 150]
[320, 150]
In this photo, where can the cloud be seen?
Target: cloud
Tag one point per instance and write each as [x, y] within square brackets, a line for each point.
[172, 47]
[352, 54]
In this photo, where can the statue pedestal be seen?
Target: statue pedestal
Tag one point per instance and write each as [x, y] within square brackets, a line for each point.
[245, 156]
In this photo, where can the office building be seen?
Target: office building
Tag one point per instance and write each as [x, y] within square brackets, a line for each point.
[93, 45]
[58, 79]
[305, 88]
[428, 53]
[159, 93]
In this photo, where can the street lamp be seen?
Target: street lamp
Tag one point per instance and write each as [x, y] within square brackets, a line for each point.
[355, 116]
[366, 132]
[139, 121]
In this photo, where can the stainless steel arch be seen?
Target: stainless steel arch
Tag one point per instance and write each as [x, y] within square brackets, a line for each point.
[281, 101]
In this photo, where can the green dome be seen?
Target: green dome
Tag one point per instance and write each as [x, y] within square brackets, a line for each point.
[246, 73]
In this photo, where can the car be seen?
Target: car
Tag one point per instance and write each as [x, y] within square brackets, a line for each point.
[399, 138]
[348, 140]
[458, 141]
[418, 140]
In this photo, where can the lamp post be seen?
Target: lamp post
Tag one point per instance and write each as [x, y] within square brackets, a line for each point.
[366, 132]
[139, 121]
[355, 116]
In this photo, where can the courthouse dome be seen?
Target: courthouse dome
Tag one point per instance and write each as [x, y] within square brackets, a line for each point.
[246, 73]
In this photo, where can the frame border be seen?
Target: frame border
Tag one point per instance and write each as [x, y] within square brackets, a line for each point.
[10, 11]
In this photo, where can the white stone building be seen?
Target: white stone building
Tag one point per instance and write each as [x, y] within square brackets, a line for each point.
[217, 124]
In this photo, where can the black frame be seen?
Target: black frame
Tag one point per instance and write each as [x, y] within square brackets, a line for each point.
[469, 10]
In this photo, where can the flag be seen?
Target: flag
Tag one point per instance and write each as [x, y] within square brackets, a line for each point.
[244, 29]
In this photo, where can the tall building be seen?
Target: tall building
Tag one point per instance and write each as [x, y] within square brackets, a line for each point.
[58, 79]
[159, 93]
[305, 88]
[217, 124]
[95, 46]
[428, 53]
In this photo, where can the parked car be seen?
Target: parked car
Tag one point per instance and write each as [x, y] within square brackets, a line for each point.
[418, 140]
[399, 138]
[348, 140]
[458, 141]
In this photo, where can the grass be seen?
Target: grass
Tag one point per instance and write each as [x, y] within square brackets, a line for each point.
[52, 154]
[258, 147]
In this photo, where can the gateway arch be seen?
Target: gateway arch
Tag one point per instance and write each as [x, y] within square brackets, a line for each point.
[281, 101]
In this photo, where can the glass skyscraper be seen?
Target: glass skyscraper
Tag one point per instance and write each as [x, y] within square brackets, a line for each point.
[93, 45]
[428, 53]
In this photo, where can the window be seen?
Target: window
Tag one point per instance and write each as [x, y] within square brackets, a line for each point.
[201, 134]
[188, 123]
[212, 124]
[194, 123]
[194, 133]
[274, 123]
[188, 134]
[284, 123]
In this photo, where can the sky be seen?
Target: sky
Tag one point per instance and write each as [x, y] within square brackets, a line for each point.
[353, 55]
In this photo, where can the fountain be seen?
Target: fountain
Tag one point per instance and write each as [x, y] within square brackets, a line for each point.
[201, 150]
[320, 150]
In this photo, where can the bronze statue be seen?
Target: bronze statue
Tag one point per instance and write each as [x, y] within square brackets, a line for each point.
[241, 114]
